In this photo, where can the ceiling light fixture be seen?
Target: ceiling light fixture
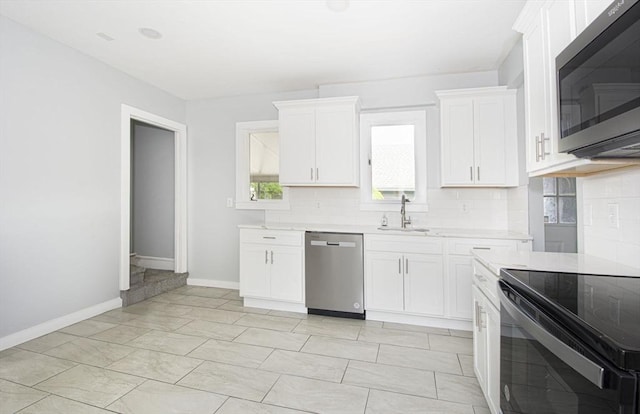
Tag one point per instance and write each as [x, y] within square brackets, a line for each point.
[338, 5]
[150, 33]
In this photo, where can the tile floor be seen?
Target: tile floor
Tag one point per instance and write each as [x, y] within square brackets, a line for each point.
[198, 350]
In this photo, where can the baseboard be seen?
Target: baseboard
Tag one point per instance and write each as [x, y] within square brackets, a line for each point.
[419, 320]
[275, 305]
[58, 323]
[160, 263]
[225, 284]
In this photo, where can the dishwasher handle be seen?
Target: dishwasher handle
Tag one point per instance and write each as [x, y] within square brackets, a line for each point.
[324, 243]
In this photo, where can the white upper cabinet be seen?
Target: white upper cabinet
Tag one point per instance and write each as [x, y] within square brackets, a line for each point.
[319, 142]
[547, 29]
[587, 11]
[479, 137]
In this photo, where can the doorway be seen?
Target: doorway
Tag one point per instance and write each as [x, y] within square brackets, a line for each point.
[174, 134]
[152, 197]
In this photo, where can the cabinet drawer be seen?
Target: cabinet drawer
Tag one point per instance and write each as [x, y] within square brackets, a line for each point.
[487, 282]
[403, 244]
[466, 246]
[272, 237]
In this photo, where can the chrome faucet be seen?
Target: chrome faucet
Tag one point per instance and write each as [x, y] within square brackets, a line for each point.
[403, 216]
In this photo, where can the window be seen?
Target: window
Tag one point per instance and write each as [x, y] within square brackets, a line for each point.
[393, 159]
[264, 159]
[559, 195]
[257, 167]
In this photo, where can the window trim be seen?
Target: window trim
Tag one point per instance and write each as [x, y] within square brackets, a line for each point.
[417, 118]
[243, 198]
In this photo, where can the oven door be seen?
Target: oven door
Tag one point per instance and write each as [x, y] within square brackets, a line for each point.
[543, 372]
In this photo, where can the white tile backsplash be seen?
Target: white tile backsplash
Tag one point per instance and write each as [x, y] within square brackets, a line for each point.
[479, 208]
[599, 237]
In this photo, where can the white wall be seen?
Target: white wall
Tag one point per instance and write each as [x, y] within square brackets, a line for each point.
[60, 175]
[213, 231]
[153, 191]
[596, 235]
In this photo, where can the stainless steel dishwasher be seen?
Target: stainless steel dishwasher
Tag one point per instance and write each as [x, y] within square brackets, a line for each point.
[334, 274]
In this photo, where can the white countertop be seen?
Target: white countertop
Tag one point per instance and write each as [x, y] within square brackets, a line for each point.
[432, 232]
[553, 262]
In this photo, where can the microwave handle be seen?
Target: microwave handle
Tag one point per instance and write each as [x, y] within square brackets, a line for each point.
[587, 368]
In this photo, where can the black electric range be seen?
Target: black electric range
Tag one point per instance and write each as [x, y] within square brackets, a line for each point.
[576, 337]
[604, 309]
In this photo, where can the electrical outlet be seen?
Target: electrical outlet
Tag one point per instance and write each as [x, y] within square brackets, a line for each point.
[229, 202]
[613, 214]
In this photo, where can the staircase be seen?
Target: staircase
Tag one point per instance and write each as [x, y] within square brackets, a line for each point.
[147, 283]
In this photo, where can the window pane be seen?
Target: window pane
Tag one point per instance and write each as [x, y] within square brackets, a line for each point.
[566, 186]
[392, 162]
[550, 211]
[567, 210]
[264, 160]
[548, 185]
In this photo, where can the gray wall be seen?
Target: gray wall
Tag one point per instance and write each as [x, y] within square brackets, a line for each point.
[153, 191]
[60, 175]
[213, 227]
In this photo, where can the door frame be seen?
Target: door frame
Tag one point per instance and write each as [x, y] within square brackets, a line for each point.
[129, 113]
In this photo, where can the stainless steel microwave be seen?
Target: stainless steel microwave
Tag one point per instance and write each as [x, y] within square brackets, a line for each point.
[598, 85]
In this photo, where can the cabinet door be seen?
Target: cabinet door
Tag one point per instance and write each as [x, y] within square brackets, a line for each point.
[492, 391]
[423, 284]
[457, 142]
[587, 11]
[560, 31]
[480, 362]
[384, 276]
[460, 277]
[254, 275]
[297, 131]
[489, 132]
[336, 145]
[535, 93]
[286, 273]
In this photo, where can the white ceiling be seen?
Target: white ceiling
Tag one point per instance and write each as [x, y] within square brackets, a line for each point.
[221, 48]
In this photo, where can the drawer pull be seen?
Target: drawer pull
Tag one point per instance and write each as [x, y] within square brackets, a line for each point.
[269, 237]
[481, 248]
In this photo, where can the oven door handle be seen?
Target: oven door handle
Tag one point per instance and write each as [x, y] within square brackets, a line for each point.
[584, 366]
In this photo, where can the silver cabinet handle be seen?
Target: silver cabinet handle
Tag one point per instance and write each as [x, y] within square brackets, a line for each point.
[406, 266]
[478, 176]
[587, 368]
[475, 311]
[317, 174]
[481, 248]
[271, 256]
[311, 173]
[543, 152]
[471, 173]
[538, 157]
[269, 237]
[400, 266]
[266, 257]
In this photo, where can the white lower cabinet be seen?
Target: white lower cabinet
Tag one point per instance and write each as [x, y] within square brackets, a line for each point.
[460, 269]
[486, 335]
[400, 280]
[271, 265]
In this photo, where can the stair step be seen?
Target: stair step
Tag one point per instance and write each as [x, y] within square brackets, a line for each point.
[155, 282]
